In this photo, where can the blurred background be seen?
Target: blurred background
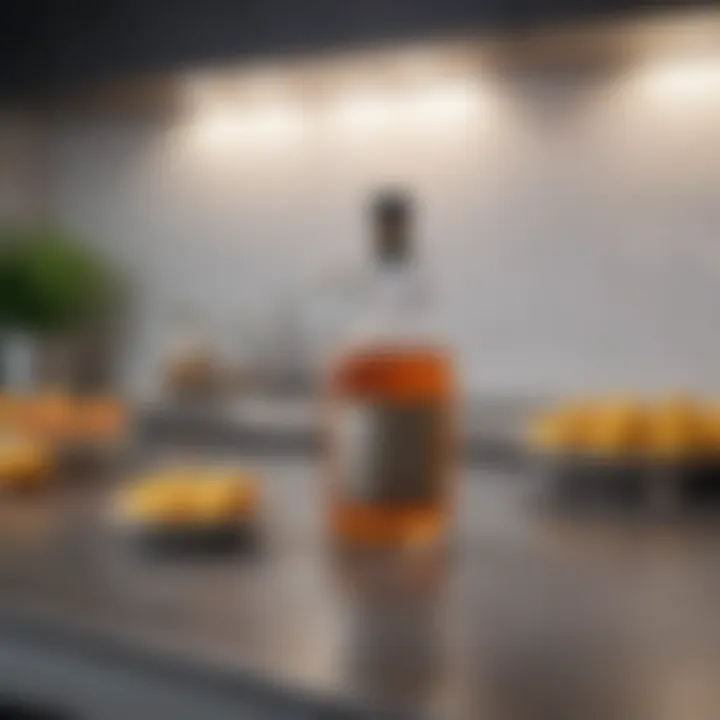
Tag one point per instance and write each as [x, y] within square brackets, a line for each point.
[184, 238]
[565, 178]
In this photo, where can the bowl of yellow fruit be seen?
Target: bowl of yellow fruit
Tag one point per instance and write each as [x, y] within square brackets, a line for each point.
[625, 448]
[189, 508]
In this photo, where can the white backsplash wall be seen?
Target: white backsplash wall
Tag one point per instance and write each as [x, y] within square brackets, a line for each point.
[572, 229]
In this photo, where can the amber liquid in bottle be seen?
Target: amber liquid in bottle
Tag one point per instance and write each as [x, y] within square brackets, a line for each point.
[402, 380]
[390, 398]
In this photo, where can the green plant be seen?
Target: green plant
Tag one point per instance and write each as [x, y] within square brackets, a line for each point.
[48, 282]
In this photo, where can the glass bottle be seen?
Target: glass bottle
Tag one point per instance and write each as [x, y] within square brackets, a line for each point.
[389, 394]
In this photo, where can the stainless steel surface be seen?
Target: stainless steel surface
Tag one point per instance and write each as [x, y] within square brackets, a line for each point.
[528, 615]
[492, 427]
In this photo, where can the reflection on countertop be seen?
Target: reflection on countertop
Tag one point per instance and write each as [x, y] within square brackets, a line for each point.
[527, 615]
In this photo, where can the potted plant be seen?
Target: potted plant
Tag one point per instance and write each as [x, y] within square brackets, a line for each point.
[50, 288]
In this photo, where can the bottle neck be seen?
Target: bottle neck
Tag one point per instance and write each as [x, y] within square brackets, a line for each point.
[393, 247]
[395, 310]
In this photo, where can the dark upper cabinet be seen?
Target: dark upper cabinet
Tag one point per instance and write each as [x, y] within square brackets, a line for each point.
[50, 44]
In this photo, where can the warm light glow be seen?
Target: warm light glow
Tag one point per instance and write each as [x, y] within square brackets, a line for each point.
[363, 112]
[233, 126]
[263, 109]
[277, 123]
[687, 79]
[214, 129]
[449, 103]
[231, 88]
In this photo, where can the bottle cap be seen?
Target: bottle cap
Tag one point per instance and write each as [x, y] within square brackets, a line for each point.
[391, 213]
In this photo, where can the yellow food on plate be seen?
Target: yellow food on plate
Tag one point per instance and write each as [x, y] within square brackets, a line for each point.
[674, 428]
[561, 430]
[223, 497]
[612, 427]
[24, 463]
[711, 424]
[678, 429]
[157, 503]
[190, 497]
[619, 428]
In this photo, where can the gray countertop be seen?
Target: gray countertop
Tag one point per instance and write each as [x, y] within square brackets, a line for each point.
[488, 427]
[529, 615]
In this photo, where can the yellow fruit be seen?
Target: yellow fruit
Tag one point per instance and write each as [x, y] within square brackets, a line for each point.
[547, 433]
[156, 499]
[189, 497]
[678, 429]
[213, 505]
[563, 429]
[619, 428]
[234, 493]
[140, 502]
[711, 425]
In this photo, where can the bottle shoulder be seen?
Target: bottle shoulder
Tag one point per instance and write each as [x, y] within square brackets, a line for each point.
[397, 310]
